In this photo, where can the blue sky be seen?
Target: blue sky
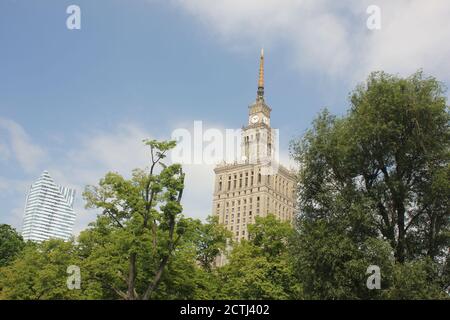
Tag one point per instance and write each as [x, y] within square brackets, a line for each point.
[78, 102]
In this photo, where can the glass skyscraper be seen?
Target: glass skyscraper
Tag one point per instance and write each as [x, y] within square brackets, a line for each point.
[48, 211]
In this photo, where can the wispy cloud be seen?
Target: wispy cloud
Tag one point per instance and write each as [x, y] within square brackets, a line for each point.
[89, 158]
[330, 37]
[4, 151]
[92, 156]
[97, 152]
[16, 141]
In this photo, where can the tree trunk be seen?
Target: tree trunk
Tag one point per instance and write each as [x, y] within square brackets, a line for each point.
[152, 287]
[401, 246]
[132, 277]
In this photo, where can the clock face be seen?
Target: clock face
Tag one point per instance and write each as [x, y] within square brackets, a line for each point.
[254, 119]
[265, 120]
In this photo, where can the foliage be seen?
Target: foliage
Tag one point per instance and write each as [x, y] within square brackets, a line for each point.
[40, 272]
[11, 243]
[260, 267]
[421, 279]
[143, 217]
[374, 189]
[210, 242]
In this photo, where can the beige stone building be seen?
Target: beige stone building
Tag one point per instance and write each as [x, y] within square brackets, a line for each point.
[256, 185]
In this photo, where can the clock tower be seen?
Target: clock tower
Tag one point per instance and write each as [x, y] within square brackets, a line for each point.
[257, 184]
[257, 138]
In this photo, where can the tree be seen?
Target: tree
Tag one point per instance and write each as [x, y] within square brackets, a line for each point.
[419, 279]
[379, 173]
[11, 243]
[211, 239]
[143, 217]
[40, 272]
[192, 273]
[139, 247]
[104, 262]
[331, 263]
[260, 268]
[404, 125]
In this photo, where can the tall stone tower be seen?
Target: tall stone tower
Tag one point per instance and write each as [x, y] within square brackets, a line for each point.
[255, 185]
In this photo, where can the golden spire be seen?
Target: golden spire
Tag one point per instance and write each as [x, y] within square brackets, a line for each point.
[261, 70]
[260, 95]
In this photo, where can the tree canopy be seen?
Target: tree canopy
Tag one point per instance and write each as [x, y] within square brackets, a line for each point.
[11, 243]
[377, 176]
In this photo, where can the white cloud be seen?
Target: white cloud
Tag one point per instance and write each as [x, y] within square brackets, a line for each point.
[4, 151]
[121, 151]
[90, 158]
[15, 190]
[97, 152]
[12, 185]
[85, 162]
[414, 35]
[28, 154]
[331, 37]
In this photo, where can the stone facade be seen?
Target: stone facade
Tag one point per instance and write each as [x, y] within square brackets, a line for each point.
[253, 186]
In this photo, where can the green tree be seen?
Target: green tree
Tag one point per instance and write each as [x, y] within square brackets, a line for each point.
[210, 241]
[331, 264]
[11, 243]
[379, 173]
[419, 279]
[191, 274]
[40, 272]
[142, 217]
[260, 268]
[139, 247]
[104, 261]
